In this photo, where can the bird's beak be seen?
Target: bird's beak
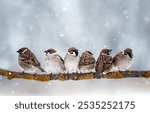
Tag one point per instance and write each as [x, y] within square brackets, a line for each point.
[45, 52]
[131, 55]
[17, 51]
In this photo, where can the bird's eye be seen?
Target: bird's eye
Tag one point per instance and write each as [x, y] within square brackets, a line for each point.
[49, 53]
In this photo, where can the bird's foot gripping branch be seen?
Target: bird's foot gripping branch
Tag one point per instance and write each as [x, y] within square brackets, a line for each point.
[74, 76]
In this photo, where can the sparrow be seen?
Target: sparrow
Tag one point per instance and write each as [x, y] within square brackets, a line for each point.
[28, 61]
[104, 62]
[54, 62]
[87, 62]
[71, 60]
[123, 60]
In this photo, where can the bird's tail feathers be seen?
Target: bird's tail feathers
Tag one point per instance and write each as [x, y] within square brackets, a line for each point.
[41, 69]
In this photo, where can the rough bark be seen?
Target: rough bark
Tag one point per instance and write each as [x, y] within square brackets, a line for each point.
[74, 76]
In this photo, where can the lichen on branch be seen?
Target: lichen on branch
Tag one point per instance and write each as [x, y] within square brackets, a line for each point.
[74, 76]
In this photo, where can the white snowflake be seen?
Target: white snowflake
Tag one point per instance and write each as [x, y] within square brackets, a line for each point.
[49, 84]
[13, 91]
[114, 21]
[147, 82]
[37, 16]
[125, 12]
[66, 48]
[23, 14]
[107, 24]
[92, 10]
[81, 49]
[61, 35]
[19, 24]
[56, 15]
[9, 73]
[127, 16]
[30, 27]
[137, 83]
[64, 9]
[105, 46]
[136, 7]
[93, 47]
[43, 29]
[114, 39]
[146, 19]
[17, 83]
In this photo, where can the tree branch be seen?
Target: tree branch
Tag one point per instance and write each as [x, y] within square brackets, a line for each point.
[74, 76]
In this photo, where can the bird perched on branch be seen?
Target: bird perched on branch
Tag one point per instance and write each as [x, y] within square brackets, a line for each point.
[87, 62]
[71, 60]
[104, 62]
[28, 61]
[54, 62]
[123, 60]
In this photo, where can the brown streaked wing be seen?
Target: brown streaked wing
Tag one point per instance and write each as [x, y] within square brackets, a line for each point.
[99, 65]
[33, 60]
[60, 58]
[108, 63]
[119, 55]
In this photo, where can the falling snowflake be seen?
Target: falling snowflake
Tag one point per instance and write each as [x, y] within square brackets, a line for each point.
[147, 82]
[146, 19]
[61, 35]
[127, 17]
[93, 47]
[81, 49]
[37, 16]
[19, 24]
[49, 84]
[56, 15]
[66, 48]
[107, 24]
[30, 27]
[137, 83]
[64, 9]
[43, 29]
[125, 12]
[48, 15]
[92, 10]
[136, 7]
[114, 39]
[9, 73]
[13, 91]
[16, 83]
[105, 46]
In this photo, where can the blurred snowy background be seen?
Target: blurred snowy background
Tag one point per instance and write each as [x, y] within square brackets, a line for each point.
[85, 24]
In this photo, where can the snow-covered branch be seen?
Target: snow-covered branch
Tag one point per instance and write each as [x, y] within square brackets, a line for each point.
[74, 76]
